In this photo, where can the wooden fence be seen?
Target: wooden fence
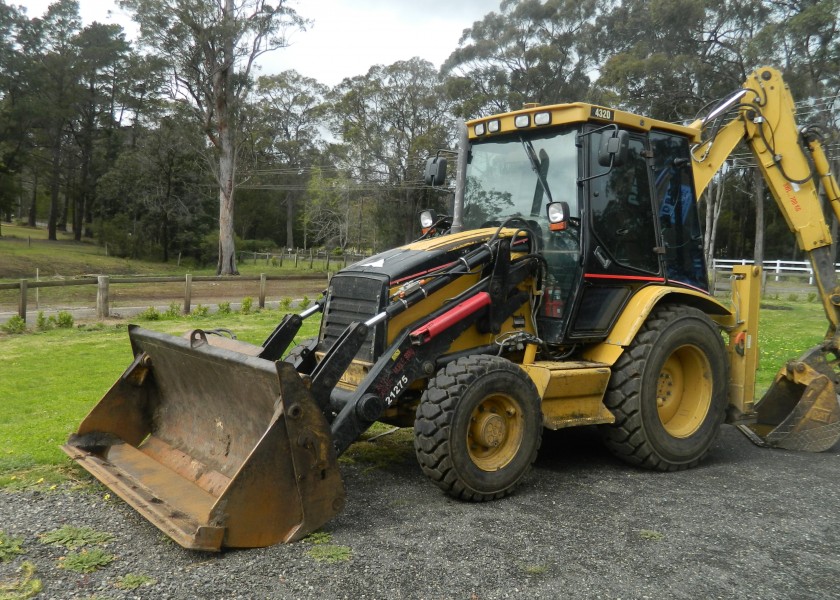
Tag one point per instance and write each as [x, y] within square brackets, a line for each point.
[301, 259]
[777, 271]
[103, 283]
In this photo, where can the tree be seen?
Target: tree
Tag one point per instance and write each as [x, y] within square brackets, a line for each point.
[390, 120]
[668, 58]
[289, 111]
[530, 51]
[157, 192]
[211, 48]
[49, 42]
[103, 61]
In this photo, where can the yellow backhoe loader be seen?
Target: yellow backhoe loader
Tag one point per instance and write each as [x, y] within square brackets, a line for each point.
[567, 288]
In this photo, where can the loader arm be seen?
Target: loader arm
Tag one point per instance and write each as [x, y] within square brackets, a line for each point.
[800, 410]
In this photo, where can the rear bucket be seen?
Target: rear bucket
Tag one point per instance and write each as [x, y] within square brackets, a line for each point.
[216, 448]
[800, 411]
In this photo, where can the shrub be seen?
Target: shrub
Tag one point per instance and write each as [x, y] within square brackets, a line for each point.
[285, 304]
[64, 320]
[150, 314]
[14, 325]
[247, 303]
[174, 311]
[42, 323]
[812, 297]
[224, 308]
[200, 311]
[305, 301]
[793, 298]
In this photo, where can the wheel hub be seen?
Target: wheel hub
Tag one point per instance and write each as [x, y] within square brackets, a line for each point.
[495, 432]
[684, 391]
[490, 430]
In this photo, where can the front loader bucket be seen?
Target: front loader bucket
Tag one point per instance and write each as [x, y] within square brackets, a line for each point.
[800, 411]
[216, 448]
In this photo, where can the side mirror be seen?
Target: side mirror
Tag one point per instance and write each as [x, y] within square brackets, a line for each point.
[612, 151]
[558, 215]
[435, 173]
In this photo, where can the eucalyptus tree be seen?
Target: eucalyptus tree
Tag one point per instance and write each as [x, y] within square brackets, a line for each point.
[529, 51]
[668, 58]
[287, 138]
[390, 120]
[211, 48]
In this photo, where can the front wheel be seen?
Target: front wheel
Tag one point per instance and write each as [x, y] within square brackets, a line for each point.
[478, 427]
[668, 391]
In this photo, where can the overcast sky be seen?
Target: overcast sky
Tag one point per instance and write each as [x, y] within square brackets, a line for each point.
[347, 37]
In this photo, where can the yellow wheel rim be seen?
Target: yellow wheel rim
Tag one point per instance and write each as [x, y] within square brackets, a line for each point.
[495, 432]
[684, 391]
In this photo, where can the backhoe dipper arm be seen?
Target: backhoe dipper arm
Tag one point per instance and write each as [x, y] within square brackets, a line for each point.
[762, 114]
[800, 410]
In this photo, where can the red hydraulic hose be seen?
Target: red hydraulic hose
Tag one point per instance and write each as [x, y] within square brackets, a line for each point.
[439, 324]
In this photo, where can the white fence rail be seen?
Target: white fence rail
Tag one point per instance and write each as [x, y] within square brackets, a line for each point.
[778, 269]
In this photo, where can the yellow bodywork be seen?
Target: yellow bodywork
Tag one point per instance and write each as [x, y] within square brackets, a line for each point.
[572, 392]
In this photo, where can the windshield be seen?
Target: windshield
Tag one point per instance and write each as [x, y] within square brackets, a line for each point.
[506, 177]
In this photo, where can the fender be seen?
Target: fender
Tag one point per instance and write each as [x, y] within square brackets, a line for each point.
[637, 310]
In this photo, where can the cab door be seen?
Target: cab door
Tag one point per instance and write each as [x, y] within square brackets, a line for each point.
[621, 249]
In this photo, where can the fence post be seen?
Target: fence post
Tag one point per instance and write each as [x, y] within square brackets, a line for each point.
[262, 290]
[311, 258]
[22, 300]
[327, 268]
[188, 294]
[296, 257]
[102, 309]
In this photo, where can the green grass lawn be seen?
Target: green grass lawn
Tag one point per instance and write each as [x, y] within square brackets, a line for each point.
[50, 380]
[20, 257]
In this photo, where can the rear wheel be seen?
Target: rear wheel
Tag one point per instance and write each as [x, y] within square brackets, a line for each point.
[668, 391]
[478, 427]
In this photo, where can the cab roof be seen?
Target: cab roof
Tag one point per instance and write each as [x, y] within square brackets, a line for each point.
[534, 117]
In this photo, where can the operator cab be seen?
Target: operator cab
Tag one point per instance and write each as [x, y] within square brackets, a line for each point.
[611, 209]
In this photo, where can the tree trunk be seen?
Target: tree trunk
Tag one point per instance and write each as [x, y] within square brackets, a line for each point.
[290, 220]
[227, 245]
[758, 193]
[409, 217]
[55, 178]
[223, 89]
[714, 203]
[32, 207]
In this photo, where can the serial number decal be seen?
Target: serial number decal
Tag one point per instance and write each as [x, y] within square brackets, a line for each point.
[601, 113]
[396, 390]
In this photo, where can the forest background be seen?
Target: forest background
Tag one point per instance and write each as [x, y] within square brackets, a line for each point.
[146, 146]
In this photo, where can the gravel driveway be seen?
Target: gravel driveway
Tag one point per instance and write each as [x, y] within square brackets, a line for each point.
[749, 523]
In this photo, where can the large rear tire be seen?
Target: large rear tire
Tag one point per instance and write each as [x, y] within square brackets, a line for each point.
[668, 391]
[478, 428]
